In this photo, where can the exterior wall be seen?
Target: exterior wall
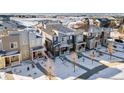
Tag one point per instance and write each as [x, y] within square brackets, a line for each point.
[79, 43]
[24, 45]
[79, 38]
[12, 61]
[90, 43]
[7, 40]
[1, 44]
[55, 46]
[49, 44]
[2, 62]
[34, 42]
[105, 37]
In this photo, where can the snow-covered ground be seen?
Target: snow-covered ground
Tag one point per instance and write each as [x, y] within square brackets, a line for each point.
[119, 46]
[21, 72]
[103, 56]
[64, 69]
[86, 62]
[116, 53]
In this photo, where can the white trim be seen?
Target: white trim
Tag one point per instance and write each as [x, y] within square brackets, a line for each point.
[14, 43]
[11, 55]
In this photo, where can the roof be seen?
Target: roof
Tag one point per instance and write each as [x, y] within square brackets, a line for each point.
[2, 52]
[104, 20]
[78, 31]
[9, 25]
[8, 53]
[37, 48]
[94, 29]
[50, 32]
[58, 27]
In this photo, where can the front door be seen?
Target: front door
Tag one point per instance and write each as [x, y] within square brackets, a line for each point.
[7, 62]
[96, 44]
[34, 55]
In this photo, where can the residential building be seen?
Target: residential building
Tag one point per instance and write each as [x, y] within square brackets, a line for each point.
[58, 39]
[21, 45]
[79, 43]
[92, 37]
[10, 54]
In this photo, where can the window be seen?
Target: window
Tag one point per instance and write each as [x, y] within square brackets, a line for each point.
[70, 37]
[14, 58]
[64, 39]
[13, 45]
[55, 39]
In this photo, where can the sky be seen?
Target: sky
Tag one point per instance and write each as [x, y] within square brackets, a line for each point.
[61, 6]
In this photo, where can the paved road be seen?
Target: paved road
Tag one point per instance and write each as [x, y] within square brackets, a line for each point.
[41, 68]
[92, 72]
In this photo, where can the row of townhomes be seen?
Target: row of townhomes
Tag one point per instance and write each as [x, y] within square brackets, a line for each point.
[29, 43]
[60, 39]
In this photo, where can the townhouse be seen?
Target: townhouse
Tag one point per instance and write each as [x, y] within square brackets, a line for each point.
[10, 51]
[79, 43]
[92, 37]
[19, 46]
[58, 39]
[95, 36]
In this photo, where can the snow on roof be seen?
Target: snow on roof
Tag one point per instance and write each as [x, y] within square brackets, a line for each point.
[9, 25]
[64, 45]
[37, 48]
[58, 27]
[93, 29]
[6, 53]
[2, 52]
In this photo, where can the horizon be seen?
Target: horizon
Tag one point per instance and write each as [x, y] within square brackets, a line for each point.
[53, 14]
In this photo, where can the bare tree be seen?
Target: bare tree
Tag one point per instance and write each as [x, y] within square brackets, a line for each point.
[112, 24]
[121, 29]
[74, 58]
[110, 49]
[121, 32]
[50, 68]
